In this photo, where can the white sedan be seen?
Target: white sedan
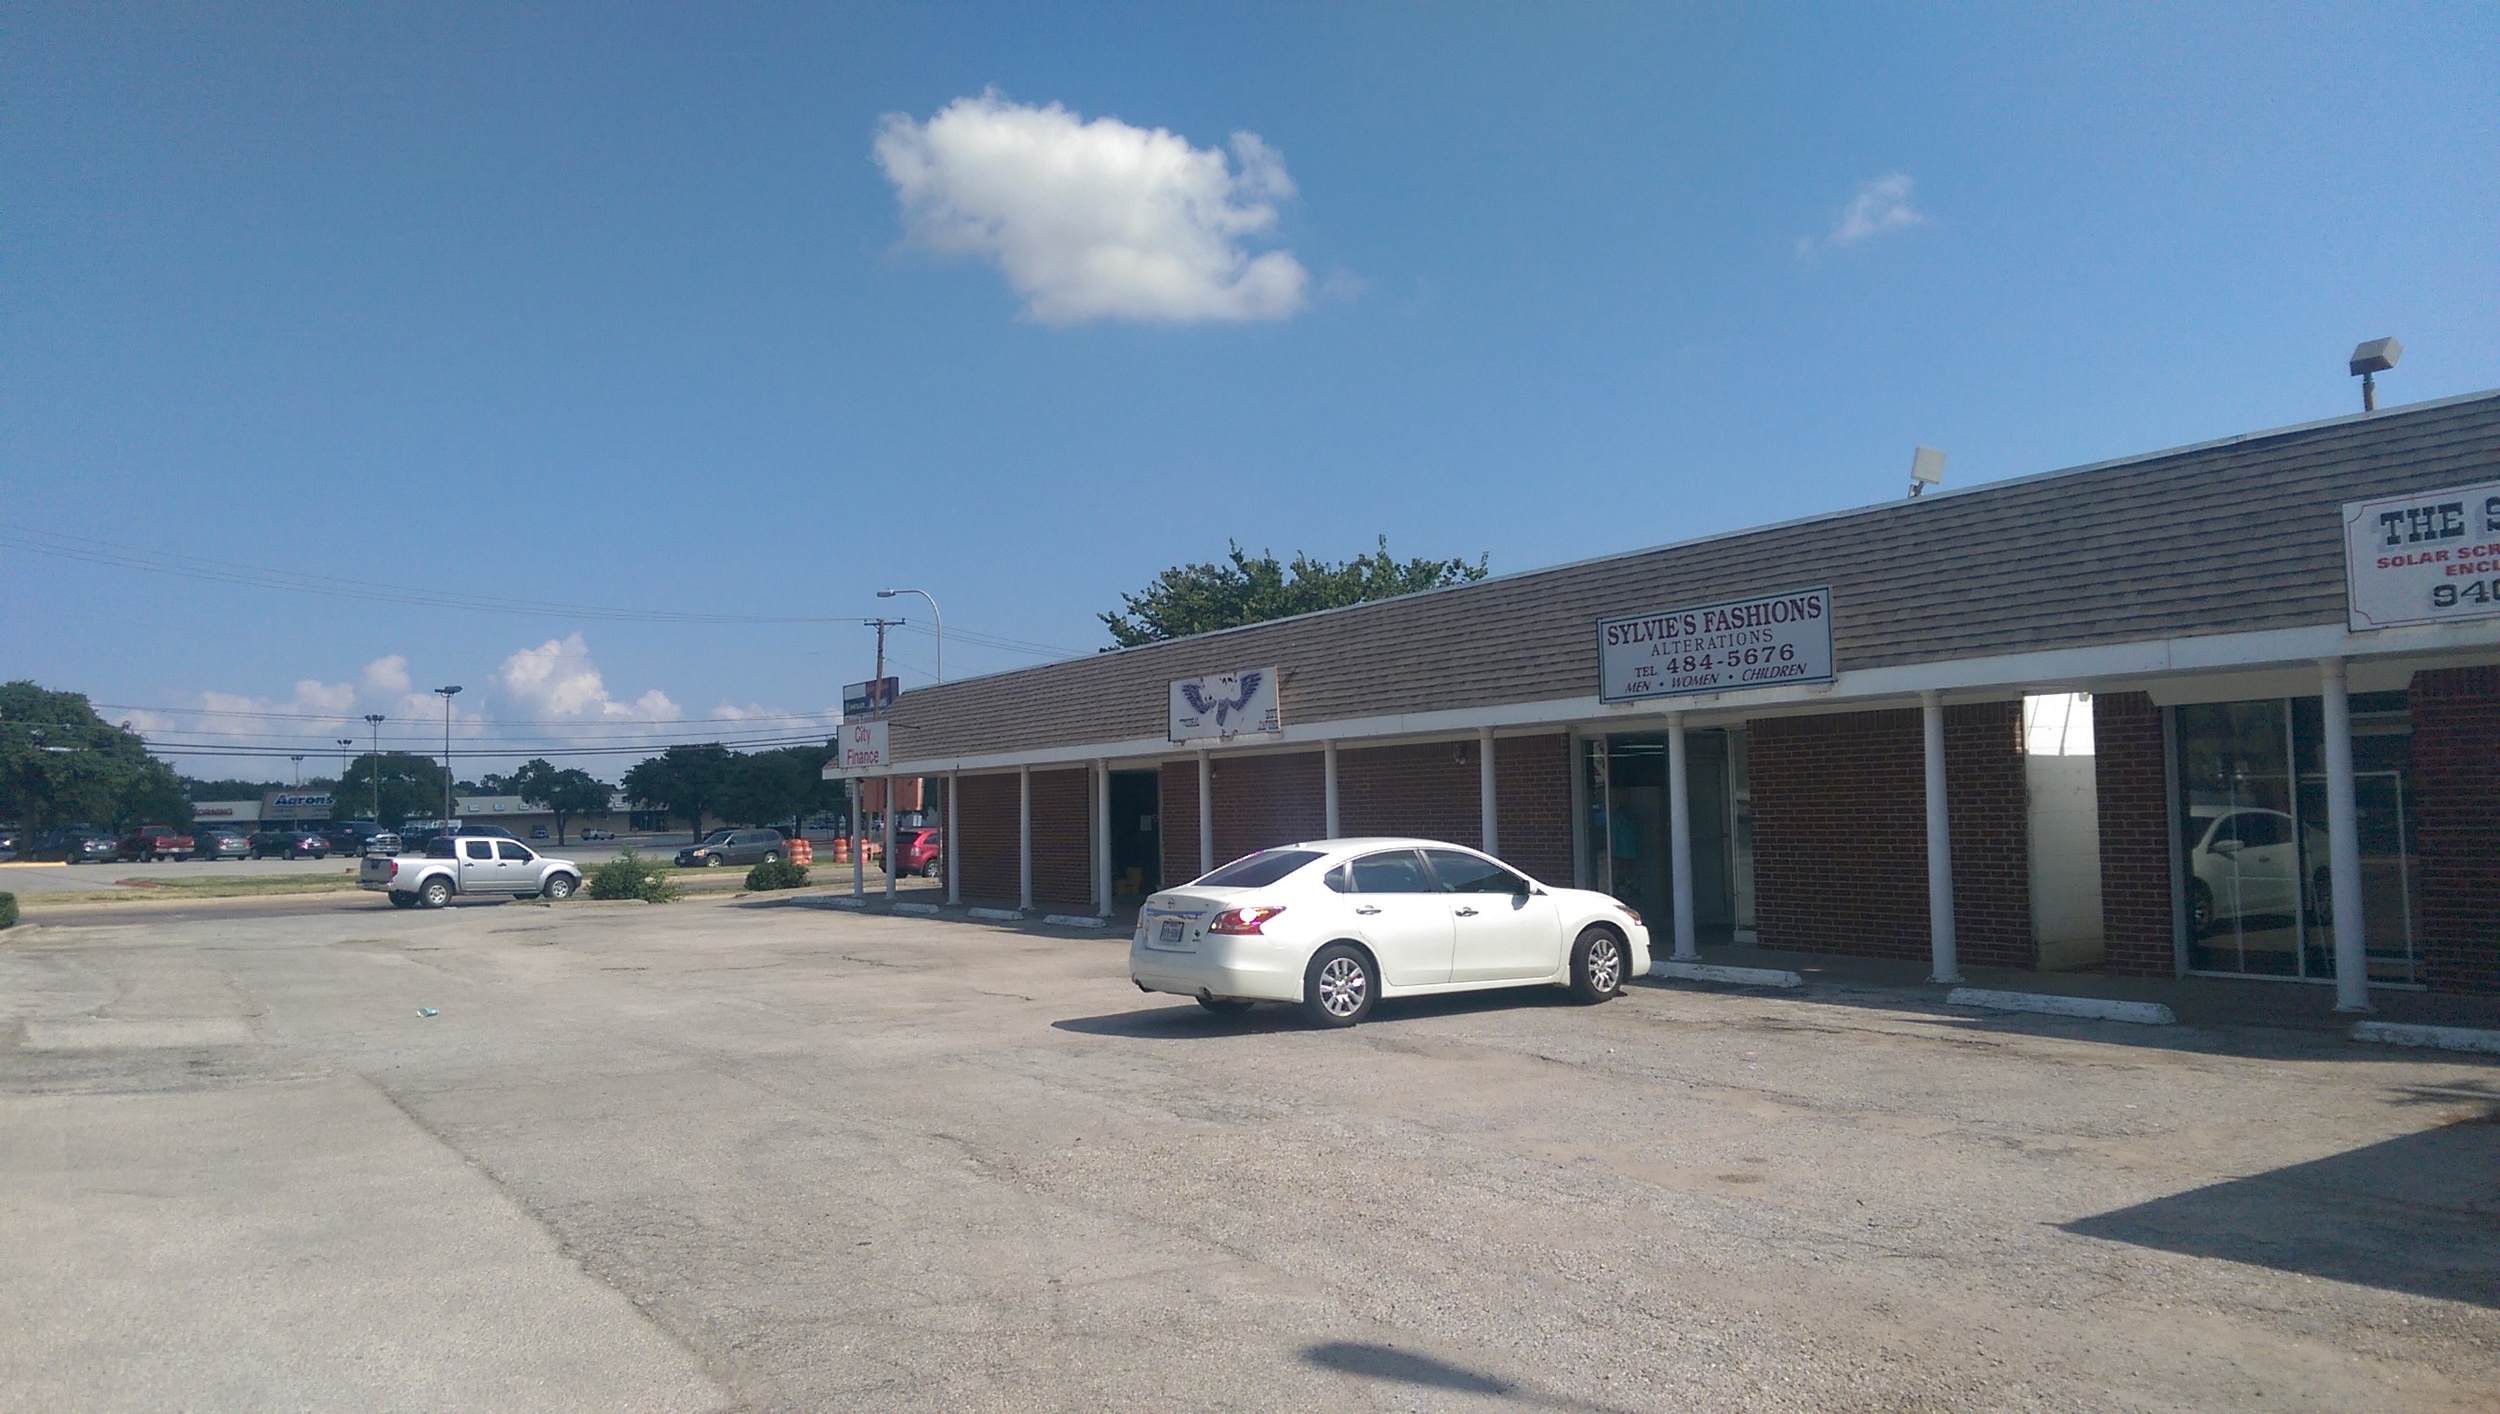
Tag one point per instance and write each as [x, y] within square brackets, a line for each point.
[1338, 924]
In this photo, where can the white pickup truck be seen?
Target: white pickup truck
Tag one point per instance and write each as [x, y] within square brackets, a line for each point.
[468, 864]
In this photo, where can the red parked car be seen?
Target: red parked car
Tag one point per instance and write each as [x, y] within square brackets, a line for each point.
[917, 851]
[153, 842]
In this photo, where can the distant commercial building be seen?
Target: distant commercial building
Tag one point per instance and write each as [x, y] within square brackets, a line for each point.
[2230, 709]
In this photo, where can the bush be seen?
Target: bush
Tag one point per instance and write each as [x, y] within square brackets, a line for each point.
[777, 874]
[8, 910]
[629, 875]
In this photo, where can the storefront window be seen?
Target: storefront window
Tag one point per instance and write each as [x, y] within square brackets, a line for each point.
[1626, 781]
[2254, 833]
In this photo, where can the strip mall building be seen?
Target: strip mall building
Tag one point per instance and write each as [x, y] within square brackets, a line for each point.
[2212, 710]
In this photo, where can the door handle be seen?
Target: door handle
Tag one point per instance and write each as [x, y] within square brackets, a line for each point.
[1368, 908]
[1466, 913]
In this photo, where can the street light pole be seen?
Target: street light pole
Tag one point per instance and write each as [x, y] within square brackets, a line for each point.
[447, 694]
[299, 769]
[374, 719]
[345, 744]
[933, 613]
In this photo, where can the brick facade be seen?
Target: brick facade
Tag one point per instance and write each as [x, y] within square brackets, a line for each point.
[1263, 801]
[2129, 774]
[1532, 797]
[1427, 790]
[1180, 823]
[1840, 833]
[1063, 840]
[985, 839]
[2456, 815]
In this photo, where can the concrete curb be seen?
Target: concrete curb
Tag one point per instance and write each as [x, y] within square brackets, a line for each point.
[1713, 972]
[1075, 920]
[930, 909]
[2094, 1008]
[996, 915]
[846, 901]
[2439, 1038]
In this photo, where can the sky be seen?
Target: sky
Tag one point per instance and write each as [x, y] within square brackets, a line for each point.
[551, 350]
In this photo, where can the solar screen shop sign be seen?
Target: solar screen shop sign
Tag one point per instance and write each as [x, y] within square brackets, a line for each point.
[1226, 705]
[2425, 558]
[1771, 640]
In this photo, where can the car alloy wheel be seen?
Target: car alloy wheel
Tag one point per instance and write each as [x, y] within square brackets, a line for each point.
[1597, 965]
[558, 888]
[436, 893]
[1338, 989]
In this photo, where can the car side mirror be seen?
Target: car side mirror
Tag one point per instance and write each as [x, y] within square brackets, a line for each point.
[2226, 846]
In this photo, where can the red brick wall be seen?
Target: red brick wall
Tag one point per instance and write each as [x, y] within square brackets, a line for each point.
[1840, 833]
[2456, 818]
[985, 828]
[1532, 797]
[1180, 823]
[1427, 790]
[2128, 774]
[1063, 834]
[1261, 801]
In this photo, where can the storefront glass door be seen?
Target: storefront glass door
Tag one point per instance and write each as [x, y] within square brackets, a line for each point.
[2254, 835]
[1626, 779]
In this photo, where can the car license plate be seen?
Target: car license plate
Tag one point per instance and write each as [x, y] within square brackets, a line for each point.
[1170, 932]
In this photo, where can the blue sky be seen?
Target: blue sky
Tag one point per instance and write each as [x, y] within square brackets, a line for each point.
[631, 308]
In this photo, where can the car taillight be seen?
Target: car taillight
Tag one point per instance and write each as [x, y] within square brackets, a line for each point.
[394, 869]
[1242, 920]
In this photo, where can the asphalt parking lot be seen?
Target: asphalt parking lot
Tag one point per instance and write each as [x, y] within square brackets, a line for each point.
[761, 1153]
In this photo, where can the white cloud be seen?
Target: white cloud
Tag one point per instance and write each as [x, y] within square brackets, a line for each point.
[1096, 220]
[557, 679]
[1876, 207]
[387, 677]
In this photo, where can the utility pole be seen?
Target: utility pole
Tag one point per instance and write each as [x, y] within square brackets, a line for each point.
[375, 719]
[880, 625]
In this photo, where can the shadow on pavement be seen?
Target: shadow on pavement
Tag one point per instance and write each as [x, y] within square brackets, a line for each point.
[2419, 1213]
[1189, 1022]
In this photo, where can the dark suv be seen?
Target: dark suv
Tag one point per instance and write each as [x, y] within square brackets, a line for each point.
[734, 847]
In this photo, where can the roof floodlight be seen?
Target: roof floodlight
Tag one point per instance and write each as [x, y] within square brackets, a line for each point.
[1926, 469]
[2375, 357]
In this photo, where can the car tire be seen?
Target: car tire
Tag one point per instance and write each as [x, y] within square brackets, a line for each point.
[400, 900]
[711, 861]
[1339, 986]
[771, 856]
[1224, 1006]
[1597, 964]
[559, 887]
[435, 893]
[2200, 909]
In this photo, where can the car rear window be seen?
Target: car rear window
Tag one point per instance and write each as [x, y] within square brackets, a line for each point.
[438, 847]
[1259, 870]
[1467, 874]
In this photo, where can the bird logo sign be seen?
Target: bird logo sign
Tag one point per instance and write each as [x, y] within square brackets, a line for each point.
[1226, 706]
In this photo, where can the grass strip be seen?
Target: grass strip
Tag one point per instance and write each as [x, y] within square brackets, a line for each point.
[245, 886]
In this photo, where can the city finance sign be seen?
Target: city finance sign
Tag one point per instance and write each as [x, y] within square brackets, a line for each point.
[859, 748]
[1770, 640]
[2425, 558]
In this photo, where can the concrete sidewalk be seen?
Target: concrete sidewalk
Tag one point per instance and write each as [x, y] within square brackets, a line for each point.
[2198, 1001]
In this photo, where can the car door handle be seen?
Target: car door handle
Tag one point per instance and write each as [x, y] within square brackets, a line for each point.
[1466, 913]
[1368, 908]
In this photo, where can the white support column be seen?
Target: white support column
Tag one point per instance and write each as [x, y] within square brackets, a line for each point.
[859, 838]
[1948, 966]
[1328, 777]
[1024, 838]
[2343, 845]
[1102, 838]
[946, 841]
[1680, 839]
[1206, 814]
[1492, 825]
[892, 799]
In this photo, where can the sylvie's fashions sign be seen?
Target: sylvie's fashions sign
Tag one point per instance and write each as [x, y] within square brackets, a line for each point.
[1770, 640]
[1226, 705]
[2425, 558]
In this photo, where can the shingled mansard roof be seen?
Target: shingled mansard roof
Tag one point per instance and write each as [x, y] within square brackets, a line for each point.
[2227, 537]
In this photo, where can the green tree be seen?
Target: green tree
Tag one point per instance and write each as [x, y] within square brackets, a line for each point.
[1189, 599]
[228, 788]
[683, 780]
[61, 764]
[768, 787]
[565, 793]
[411, 788]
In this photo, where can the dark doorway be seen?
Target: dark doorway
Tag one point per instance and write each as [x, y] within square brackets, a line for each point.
[1136, 833]
[1629, 804]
